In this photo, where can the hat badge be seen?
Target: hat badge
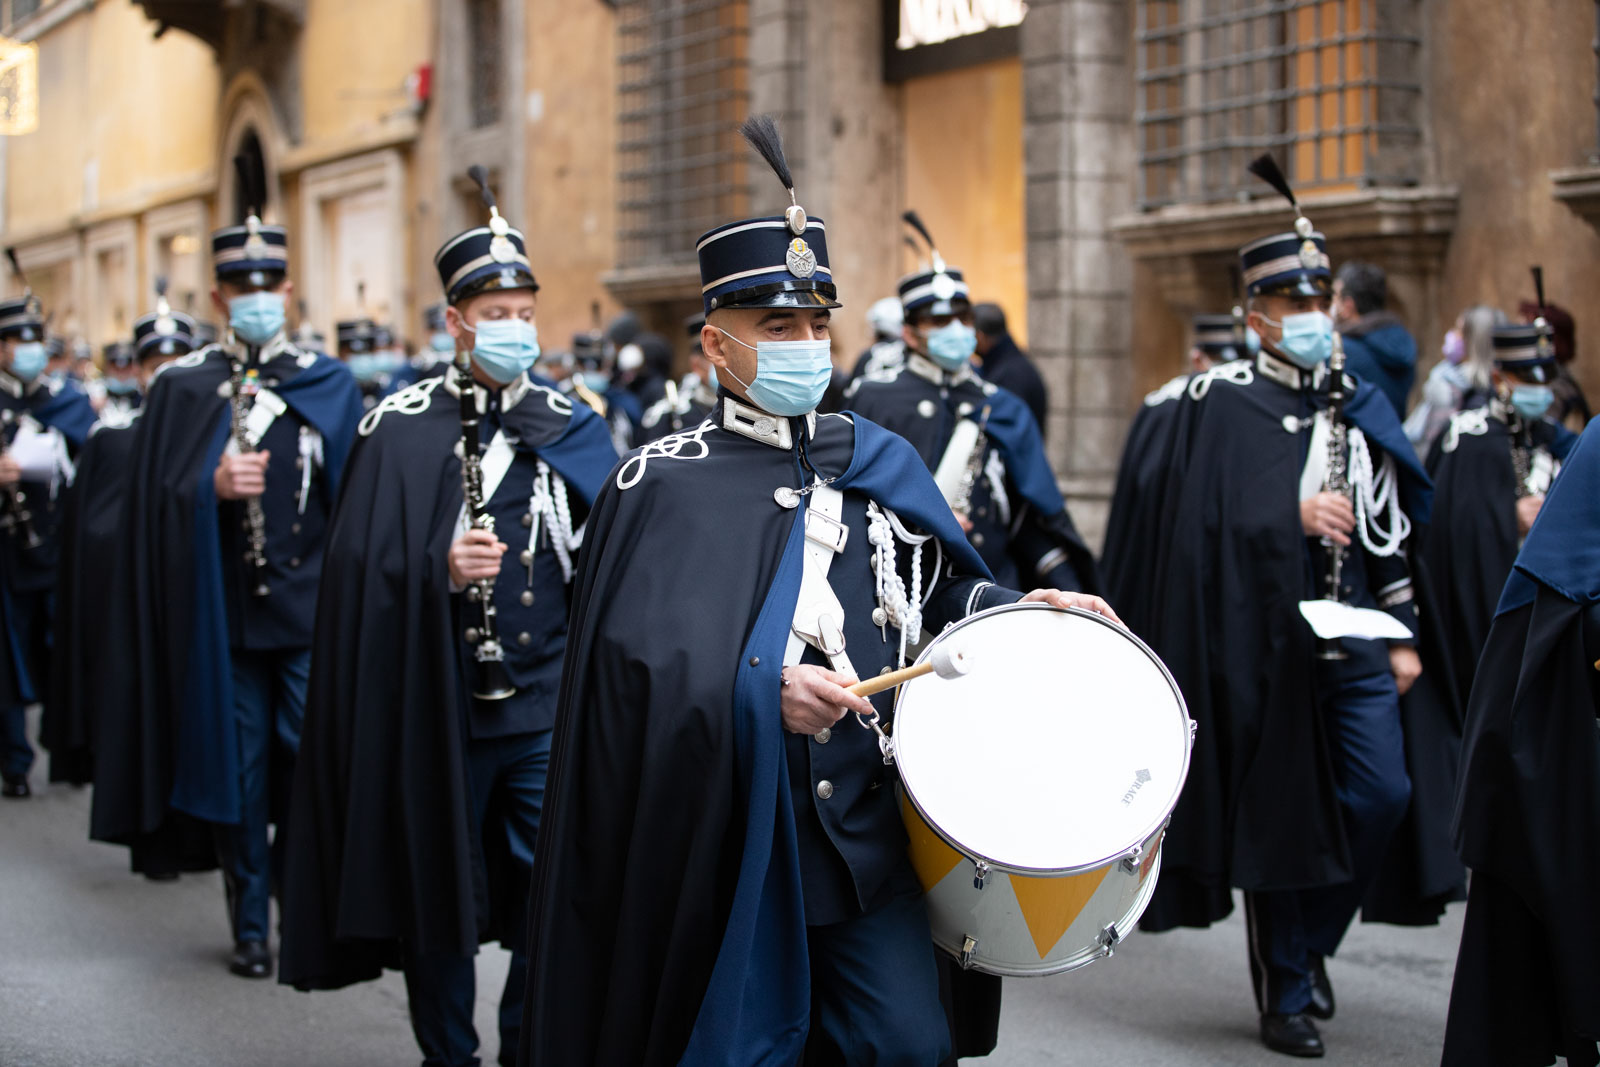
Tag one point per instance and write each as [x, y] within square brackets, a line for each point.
[255, 246]
[943, 286]
[501, 250]
[801, 260]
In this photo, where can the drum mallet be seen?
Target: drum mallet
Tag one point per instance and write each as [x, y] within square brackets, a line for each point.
[943, 660]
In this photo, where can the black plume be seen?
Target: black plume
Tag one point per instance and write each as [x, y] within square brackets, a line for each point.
[161, 285]
[1538, 286]
[913, 220]
[1266, 168]
[252, 184]
[481, 176]
[16, 268]
[762, 133]
[916, 249]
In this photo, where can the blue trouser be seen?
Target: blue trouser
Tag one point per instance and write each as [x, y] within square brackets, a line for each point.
[511, 772]
[1290, 929]
[269, 704]
[30, 620]
[875, 990]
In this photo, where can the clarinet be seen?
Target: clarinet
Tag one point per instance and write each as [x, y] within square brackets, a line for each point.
[1337, 480]
[491, 682]
[246, 385]
[1522, 457]
[962, 504]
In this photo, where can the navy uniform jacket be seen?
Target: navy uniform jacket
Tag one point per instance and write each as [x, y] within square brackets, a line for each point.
[1008, 366]
[296, 508]
[61, 409]
[1020, 524]
[663, 417]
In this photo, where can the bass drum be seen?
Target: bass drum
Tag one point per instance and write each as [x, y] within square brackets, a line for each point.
[1037, 786]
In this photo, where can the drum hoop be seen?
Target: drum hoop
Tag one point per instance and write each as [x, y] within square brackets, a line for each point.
[1081, 868]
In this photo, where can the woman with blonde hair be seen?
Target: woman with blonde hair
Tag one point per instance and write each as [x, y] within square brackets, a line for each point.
[1459, 381]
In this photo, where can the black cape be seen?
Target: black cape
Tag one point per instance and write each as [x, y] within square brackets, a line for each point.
[1132, 529]
[1527, 821]
[92, 622]
[383, 847]
[1259, 810]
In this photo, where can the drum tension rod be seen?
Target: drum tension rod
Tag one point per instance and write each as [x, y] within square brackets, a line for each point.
[980, 873]
[968, 947]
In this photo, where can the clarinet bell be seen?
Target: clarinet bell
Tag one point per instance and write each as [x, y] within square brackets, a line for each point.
[1331, 650]
[492, 682]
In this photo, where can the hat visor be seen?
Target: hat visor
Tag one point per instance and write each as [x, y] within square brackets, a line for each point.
[795, 294]
[1541, 373]
[1295, 285]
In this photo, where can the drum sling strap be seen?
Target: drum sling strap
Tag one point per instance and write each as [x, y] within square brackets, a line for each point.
[818, 615]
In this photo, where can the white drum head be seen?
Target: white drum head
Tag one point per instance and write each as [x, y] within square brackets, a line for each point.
[1064, 745]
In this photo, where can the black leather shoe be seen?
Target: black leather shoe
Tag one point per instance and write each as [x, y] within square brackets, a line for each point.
[15, 787]
[251, 960]
[1321, 1006]
[1292, 1035]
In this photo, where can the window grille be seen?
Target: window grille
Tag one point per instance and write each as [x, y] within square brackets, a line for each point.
[21, 9]
[683, 90]
[485, 59]
[1330, 87]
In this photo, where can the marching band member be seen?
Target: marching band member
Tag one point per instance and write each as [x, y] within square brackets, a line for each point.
[1298, 777]
[432, 359]
[722, 876]
[421, 781]
[44, 422]
[236, 468]
[1527, 819]
[979, 440]
[97, 637]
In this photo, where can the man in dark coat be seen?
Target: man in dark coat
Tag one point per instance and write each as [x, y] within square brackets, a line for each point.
[420, 781]
[722, 877]
[44, 422]
[980, 440]
[1005, 364]
[686, 403]
[1298, 778]
[1527, 981]
[1378, 348]
[236, 469]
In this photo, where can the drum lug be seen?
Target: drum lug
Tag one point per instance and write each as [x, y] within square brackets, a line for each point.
[1108, 940]
[1130, 862]
[980, 874]
[1194, 728]
[968, 947]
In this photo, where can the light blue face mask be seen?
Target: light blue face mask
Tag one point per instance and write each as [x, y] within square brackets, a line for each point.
[505, 349]
[28, 360]
[255, 318]
[1307, 338]
[363, 365]
[1532, 401]
[791, 376]
[1252, 340]
[952, 345]
[388, 361]
[442, 342]
[121, 386]
[594, 381]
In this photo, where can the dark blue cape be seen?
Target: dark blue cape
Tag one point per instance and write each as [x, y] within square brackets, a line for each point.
[67, 410]
[206, 768]
[1562, 551]
[1016, 435]
[760, 988]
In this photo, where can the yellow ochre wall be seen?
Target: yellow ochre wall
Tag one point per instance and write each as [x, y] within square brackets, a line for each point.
[354, 59]
[964, 176]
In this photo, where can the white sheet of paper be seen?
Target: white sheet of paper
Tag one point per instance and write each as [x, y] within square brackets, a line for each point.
[1331, 619]
[35, 452]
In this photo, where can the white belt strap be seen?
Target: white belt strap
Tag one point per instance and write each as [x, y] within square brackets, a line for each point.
[818, 615]
[496, 461]
[956, 459]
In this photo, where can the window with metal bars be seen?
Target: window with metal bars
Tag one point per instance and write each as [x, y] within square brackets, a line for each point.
[683, 90]
[1328, 86]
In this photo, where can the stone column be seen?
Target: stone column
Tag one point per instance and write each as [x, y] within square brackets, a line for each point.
[1079, 162]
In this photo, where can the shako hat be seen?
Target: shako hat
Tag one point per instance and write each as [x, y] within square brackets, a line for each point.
[163, 332]
[484, 258]
[255, 251]
[775, 261]
[1285, 264]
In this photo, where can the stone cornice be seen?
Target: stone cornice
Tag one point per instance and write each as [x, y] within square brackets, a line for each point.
[653, 282]
[1579, 189]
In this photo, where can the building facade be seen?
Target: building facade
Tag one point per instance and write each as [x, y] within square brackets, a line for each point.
[1082, 160]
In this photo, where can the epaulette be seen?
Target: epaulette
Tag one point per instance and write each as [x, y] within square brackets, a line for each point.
[1171, 391]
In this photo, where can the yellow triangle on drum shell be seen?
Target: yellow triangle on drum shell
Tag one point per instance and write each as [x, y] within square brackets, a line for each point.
[1049, 905]
[931, 858]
